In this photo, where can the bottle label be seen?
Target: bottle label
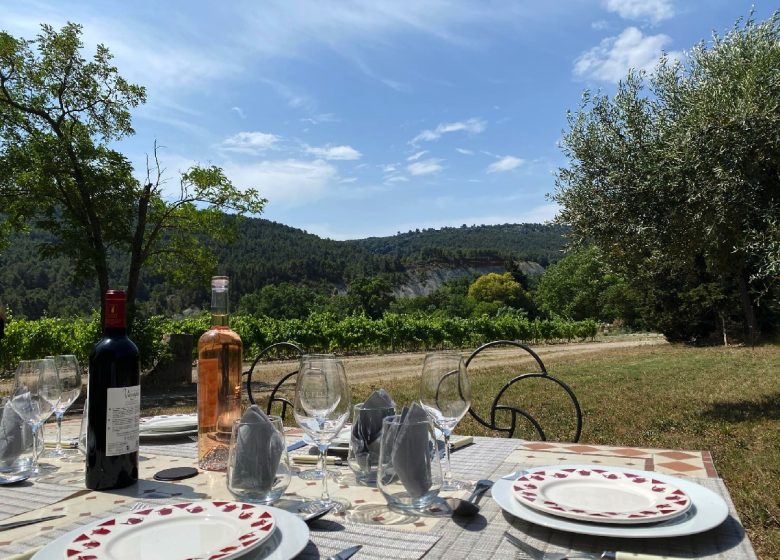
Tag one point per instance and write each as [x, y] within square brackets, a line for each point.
[123, 413]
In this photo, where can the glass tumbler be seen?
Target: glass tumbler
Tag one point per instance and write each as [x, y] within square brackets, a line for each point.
[252, 474]
[16, 447]
[365, 441]
[409, 473]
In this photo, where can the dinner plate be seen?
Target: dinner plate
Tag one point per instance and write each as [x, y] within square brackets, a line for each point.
[169, 423]
[599, 495]
[708, 510]
[205, 530]
[166, 435]
[286, 542]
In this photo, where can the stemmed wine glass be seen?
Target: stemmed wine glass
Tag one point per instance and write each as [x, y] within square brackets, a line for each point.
[322, 406]
[445, 394]
[36, 390]
[70, 382]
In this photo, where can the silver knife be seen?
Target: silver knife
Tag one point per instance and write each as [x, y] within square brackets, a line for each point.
[15, 524]
[296, 445]
[346, 553]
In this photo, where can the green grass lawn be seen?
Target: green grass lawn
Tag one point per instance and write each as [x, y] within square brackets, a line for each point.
[725, 400]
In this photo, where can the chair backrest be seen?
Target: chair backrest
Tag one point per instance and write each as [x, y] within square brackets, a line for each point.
[276, 394]
[543, 401]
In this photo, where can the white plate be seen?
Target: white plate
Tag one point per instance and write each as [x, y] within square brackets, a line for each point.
[166, 435]
[600, 495]
[204, 530]
[708, 510]
[169, 423]
[289, 539]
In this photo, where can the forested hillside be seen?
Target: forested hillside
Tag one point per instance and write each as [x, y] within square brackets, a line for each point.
[266, 252]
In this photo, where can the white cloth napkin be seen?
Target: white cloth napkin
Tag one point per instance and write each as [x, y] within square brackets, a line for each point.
[259, 447]
[411, 454]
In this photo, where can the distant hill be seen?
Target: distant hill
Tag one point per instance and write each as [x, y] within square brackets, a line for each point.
[267, 252]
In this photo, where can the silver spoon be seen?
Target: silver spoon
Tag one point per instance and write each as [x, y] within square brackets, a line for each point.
[309, 517]
[469, 507]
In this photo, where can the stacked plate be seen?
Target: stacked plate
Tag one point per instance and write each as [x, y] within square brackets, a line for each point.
[223, 530]
[168, 426]
[610, 501]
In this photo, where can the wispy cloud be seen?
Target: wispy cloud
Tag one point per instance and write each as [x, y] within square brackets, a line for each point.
[472, 126]
[506, 163]
[416, 156]
[611, 60]
[289, 182]
[239, 112]
[464, 151]
[397, 179]
[334, 152]
[294, 98]
[250, 142]
[424, 167]
[644, 10]
[321, 118]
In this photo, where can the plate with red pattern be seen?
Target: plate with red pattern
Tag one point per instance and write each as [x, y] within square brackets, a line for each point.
[205, 530]
[600, 495]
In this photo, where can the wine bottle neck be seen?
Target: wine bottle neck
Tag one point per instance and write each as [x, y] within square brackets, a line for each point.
[114, 332]
[219, 319]
[219, 306]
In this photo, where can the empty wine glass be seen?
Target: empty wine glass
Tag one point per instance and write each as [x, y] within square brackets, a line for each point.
[36, 390]
[70, 382]
[322, 406]
[445, 393]
[316, 473]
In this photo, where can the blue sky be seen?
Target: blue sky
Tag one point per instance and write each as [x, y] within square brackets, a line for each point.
[359, 119]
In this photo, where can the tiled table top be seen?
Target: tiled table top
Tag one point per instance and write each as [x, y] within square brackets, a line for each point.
[481, 537]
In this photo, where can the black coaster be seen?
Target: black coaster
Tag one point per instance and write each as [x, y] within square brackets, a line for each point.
[176, 473]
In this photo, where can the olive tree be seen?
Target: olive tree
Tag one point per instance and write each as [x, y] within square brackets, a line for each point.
[60, 115]
[681, 171]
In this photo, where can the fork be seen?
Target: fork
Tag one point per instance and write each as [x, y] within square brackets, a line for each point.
[537, 554]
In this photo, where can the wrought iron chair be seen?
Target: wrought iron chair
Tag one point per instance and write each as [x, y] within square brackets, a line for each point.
[509, 405]
[274, 395]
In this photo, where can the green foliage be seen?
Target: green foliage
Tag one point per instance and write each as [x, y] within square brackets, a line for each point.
[28, 339]
[373, 295]
[685, 171]
[498, 289]
[580, 287]
[264, 254]
[59, 116]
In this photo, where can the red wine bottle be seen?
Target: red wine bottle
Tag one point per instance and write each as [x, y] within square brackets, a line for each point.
[114, 403]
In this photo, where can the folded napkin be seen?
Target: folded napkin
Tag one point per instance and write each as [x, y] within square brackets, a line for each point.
[259, 447]
[367, 428]
[12, 437]
[411, 456]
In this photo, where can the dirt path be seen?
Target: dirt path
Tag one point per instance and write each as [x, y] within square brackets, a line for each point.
[378, 367]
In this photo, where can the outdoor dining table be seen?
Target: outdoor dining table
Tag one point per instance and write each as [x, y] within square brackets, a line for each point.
[382, 532]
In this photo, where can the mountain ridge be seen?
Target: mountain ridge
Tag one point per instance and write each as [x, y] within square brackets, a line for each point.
[267, 252]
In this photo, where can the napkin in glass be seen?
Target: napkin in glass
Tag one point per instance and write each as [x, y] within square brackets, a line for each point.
[12, 440]
[411, 457]
[367, 427]
[259, 447]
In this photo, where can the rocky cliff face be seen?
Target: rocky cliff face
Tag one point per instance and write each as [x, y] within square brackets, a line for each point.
[424, 282]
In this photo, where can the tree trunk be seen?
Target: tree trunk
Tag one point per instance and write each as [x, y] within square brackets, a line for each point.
[137, 256]
[751, 322]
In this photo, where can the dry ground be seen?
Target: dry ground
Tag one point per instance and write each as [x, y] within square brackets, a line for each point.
[384, 367]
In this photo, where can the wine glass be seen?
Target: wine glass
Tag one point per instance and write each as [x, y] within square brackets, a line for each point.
[316, 473]
[445, 394]
[322, 406]
[36, 390]
[70, 382]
